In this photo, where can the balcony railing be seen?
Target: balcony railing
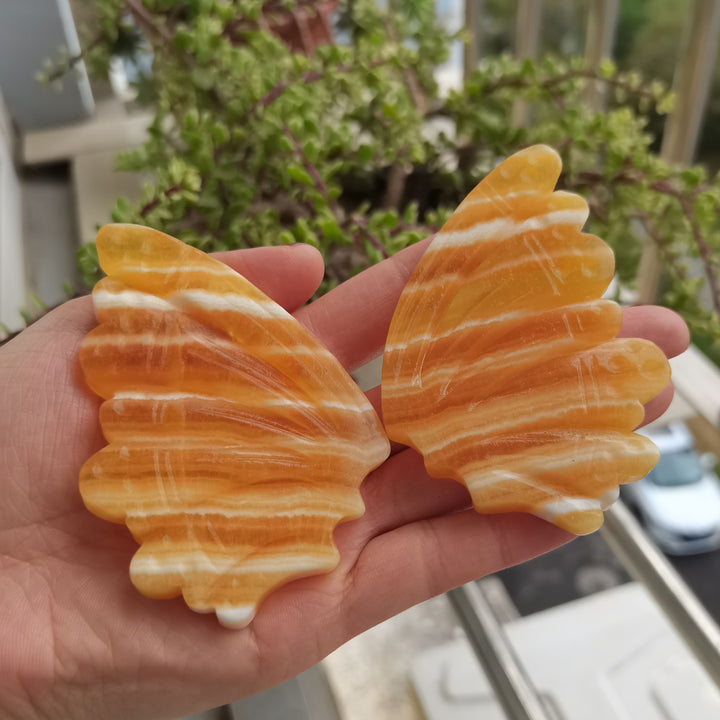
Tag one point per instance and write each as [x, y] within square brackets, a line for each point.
[514, 689]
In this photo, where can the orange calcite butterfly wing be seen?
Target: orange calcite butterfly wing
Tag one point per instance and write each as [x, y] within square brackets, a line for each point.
[502, 365]
[237, 442]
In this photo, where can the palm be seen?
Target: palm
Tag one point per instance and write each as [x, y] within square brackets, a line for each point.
[79, 638]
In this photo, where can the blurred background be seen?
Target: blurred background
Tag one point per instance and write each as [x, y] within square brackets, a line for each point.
[357, 126]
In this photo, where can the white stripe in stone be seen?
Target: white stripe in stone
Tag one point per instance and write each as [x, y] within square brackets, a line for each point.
[461, 327]
[292, 450]
[595, 307]
[514, 422]
[497, 361]
[236, 618]
[501, 229]
[191, 562]
[488, 477]
[558, 461]
[220, 271]
[534, 256]
[207, 341]
[172, 396]
[261, 509]
[494, 199]
[363, 406]
[567, 505]
[231, 302]
[609, 497]
[105, 300]
[168, 396]
[159, 340]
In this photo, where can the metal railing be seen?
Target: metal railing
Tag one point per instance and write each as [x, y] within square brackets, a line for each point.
[650, 567]
[514, 689]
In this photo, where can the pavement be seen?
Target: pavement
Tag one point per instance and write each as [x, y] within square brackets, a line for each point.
[702, 574]
[587, 565]
[370, 674]
[584, 566]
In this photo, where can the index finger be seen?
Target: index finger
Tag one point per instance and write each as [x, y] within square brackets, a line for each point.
[663, 326]
[353, 319]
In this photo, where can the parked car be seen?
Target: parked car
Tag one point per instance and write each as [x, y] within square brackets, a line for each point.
[679, 500]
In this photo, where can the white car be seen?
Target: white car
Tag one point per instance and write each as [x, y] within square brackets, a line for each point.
[679, 500]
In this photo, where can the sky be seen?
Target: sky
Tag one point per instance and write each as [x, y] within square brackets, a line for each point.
[451, 11]
[449, 75]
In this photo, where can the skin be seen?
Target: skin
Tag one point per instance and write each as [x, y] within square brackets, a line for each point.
[78, 641]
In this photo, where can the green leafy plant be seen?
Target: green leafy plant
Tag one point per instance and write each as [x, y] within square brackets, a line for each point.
[353, 149]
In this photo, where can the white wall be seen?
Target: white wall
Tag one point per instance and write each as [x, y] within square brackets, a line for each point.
[32, 31]
[12, 266]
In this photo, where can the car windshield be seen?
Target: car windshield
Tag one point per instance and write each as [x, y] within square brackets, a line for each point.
[679, 468]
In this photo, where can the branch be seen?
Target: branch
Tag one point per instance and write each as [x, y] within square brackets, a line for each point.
[311, 169]
[395, 189]
[411, 80]
[550, 84]
[375, 241]
[146, 209]
[629, 175]
[308, 77]
[244, 24]
[147, 24]
[657, 238]
[397, 175]
[425, 230]
[63, 68]
[710, 266]
[145, 20]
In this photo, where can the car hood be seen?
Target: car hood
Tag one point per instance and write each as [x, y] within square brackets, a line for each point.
[685, 508]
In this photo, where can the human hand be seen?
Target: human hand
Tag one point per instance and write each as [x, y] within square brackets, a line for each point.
[77, 639]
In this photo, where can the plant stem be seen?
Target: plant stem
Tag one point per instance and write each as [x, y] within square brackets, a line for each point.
[710, 266]
[397, 175]
[311, 169]
[169, 192]
[145, 20]
[310, 76]
[375, 241]
[550, 84]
